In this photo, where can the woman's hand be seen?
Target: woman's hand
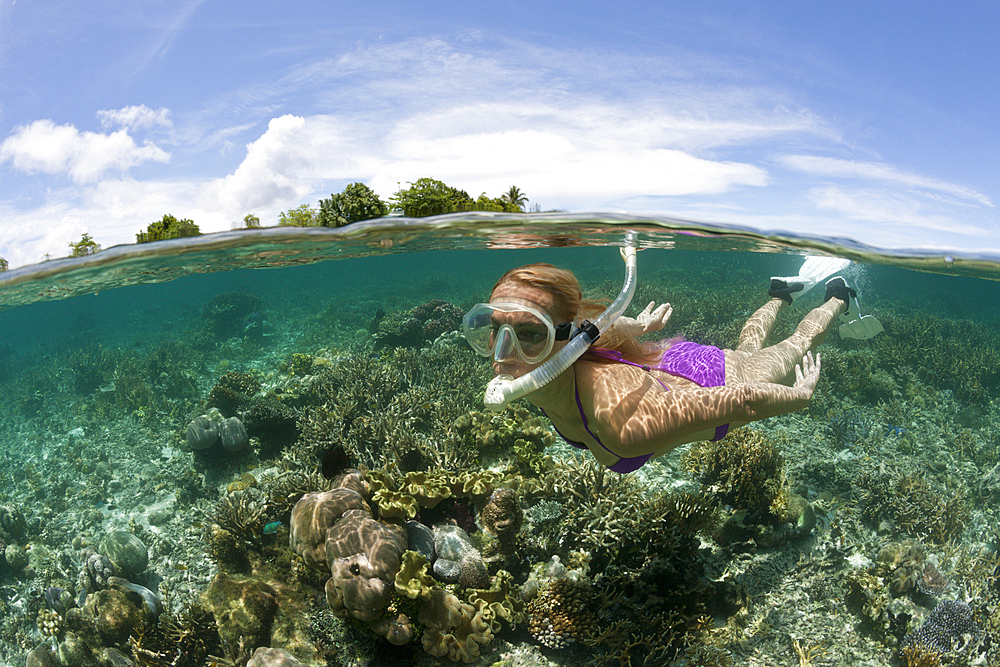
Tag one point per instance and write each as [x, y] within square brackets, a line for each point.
[807, 374]
[650, 319]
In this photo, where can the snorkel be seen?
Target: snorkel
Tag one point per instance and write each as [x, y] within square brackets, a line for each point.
[504, 388]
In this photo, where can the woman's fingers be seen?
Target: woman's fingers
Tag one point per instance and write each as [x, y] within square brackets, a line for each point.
[653, 318]
[807, 373]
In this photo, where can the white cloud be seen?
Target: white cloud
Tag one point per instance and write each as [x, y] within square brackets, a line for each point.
[85, 157]
[876, 171]
[269, 174]
[895, 208]
[567, 156]
[135, 117]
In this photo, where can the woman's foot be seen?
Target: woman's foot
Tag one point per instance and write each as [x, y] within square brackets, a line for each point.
[837, 288]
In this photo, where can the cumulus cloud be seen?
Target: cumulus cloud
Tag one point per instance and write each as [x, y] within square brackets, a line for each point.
[577, 158]
[85, 157]
[270, 172]
[135, 117]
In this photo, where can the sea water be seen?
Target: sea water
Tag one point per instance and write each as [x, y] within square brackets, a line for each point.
[105, 360]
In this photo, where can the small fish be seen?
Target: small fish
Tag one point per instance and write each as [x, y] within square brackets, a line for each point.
[180, 567]
[271, 528]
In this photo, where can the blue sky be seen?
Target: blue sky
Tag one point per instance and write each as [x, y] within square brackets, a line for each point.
[873, 121]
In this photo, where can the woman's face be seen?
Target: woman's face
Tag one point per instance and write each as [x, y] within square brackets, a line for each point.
[522, 322]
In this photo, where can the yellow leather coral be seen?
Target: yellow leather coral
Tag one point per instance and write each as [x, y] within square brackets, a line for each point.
[428, 490]
[501, 600]
[394, 505]
[412, 580]
[453, 628]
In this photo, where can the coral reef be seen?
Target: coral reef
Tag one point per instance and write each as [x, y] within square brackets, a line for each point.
[745, 469]
[364, 556]
[452, 628]
[273, 657]
[313, 516]
[562, 612]
[912, 504]
[418, 326]
[502, 515]
[948, 628]
[231, 313]
[244, 610]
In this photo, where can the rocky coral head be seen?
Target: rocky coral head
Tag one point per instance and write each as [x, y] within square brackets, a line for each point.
[314, 515]
[273, 657]
[501, 515]
[364, 556]
[355, 589]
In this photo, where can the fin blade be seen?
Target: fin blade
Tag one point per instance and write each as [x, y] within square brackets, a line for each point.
[863, 328]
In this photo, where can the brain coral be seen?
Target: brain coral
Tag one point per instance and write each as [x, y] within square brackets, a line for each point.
[364, 556]
[314, 515]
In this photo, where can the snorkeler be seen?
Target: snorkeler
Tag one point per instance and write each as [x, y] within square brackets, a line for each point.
[628, 401]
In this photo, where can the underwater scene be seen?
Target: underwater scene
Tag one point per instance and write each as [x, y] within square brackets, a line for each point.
[270, 448]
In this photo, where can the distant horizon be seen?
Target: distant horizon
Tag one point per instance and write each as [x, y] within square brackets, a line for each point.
[873, 123]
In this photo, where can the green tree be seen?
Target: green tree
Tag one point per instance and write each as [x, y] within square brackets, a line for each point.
[3, 265]
[302, 216]
[357, 202]
[168, 227]
[85, 246]
[514, 200]
[427, 197]
[485, 203]
[250, 221]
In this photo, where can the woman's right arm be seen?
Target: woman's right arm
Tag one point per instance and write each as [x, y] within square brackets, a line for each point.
[643, 419]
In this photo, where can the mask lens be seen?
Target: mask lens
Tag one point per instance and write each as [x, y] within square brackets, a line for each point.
[502, 329]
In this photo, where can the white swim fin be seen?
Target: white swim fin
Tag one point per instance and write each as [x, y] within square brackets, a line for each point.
[858, 326]
[814, 270]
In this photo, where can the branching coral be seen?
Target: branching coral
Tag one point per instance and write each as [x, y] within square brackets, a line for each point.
[912, 504]
[384, 409]
[744, 468]
[242, 513]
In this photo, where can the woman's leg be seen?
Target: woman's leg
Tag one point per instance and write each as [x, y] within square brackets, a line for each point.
[758, 327]
[777, 362]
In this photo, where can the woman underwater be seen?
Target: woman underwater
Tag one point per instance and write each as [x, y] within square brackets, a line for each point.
[627, 401]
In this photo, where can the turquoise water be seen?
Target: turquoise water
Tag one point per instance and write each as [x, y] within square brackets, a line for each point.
[105, 361]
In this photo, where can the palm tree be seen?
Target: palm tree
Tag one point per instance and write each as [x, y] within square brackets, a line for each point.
[514, 198]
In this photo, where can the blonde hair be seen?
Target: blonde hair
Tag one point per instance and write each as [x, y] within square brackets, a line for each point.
[568, 305]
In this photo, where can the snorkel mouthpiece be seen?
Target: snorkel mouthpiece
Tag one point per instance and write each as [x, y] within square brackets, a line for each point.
[503, 389]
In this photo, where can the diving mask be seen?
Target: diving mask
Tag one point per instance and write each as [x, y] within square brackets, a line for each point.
[512, 326]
